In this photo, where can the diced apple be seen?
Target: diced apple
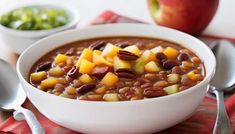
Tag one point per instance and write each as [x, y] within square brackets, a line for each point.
[148, 56]
[48, 83]
[98, 52]
[171, 53]
[133, 49]
[109, 79]
[139, 66]
[118, 63]
[192, 76]
[110, 50]
[87, 54]
[151, 67]
[111, 97]
[99, 60]
[85, 78]
[173, 78]
[86, 67]
[60, 58]
[109, 59]
[171, 89]
[158, 49]
[38, 76]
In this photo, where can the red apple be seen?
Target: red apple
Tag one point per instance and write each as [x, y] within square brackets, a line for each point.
[190, 16]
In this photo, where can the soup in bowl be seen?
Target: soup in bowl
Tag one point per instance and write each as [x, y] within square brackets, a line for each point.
[123, 78]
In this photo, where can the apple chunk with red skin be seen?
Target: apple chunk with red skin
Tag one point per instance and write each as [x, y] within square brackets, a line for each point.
[190, 16]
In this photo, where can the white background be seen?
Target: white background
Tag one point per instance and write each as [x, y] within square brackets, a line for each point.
[223, 23]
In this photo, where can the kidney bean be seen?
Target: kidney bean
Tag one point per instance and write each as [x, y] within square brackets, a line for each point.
[44, 66]
[182, 57]
[86, 88]
[161, 56]
[169, 64]
[73, 73]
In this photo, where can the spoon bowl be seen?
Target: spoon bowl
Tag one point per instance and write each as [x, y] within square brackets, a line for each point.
[12, 97]
[11, 93]
[223, 81]
[225, 73]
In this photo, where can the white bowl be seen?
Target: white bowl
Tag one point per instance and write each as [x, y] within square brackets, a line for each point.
[141, 116]
[18, 40]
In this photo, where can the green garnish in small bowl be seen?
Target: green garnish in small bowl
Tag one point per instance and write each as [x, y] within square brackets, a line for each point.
[34, 18]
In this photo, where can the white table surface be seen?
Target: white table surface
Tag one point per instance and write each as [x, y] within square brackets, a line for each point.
[223, 23]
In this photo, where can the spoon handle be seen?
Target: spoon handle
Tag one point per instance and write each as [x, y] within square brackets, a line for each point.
[22, 113]
[222, 124]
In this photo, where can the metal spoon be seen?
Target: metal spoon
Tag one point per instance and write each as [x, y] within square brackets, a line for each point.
[223, 81]
[12, 97]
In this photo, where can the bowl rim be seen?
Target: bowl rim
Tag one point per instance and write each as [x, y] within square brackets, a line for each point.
[203, 82]
[72, 12]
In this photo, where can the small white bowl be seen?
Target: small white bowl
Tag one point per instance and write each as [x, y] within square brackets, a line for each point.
[18, 40]
[140, 116]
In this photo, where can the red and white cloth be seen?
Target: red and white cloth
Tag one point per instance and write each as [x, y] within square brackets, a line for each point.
[201, 122]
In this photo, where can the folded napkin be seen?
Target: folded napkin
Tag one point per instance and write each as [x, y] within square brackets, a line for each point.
[201, 122]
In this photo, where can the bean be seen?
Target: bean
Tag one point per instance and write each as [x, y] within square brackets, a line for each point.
[196, 60]
[187, 64]
[150, 93]
[69, 62]
[71, 51]
[176, 69]
[146, 85]
[137, 83]
[124, 90]
[95, 97]
[73, 73]
[71, 90]
[183, 57]
[162, 75]
[150, 76]
[160, 84]
[169, 64]
[59, 87]
[77, 83]
[67, 68]
[62, 81]
[101, 90]
[86, 88]
[143, 80]
[44, 66]
[161, 56]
